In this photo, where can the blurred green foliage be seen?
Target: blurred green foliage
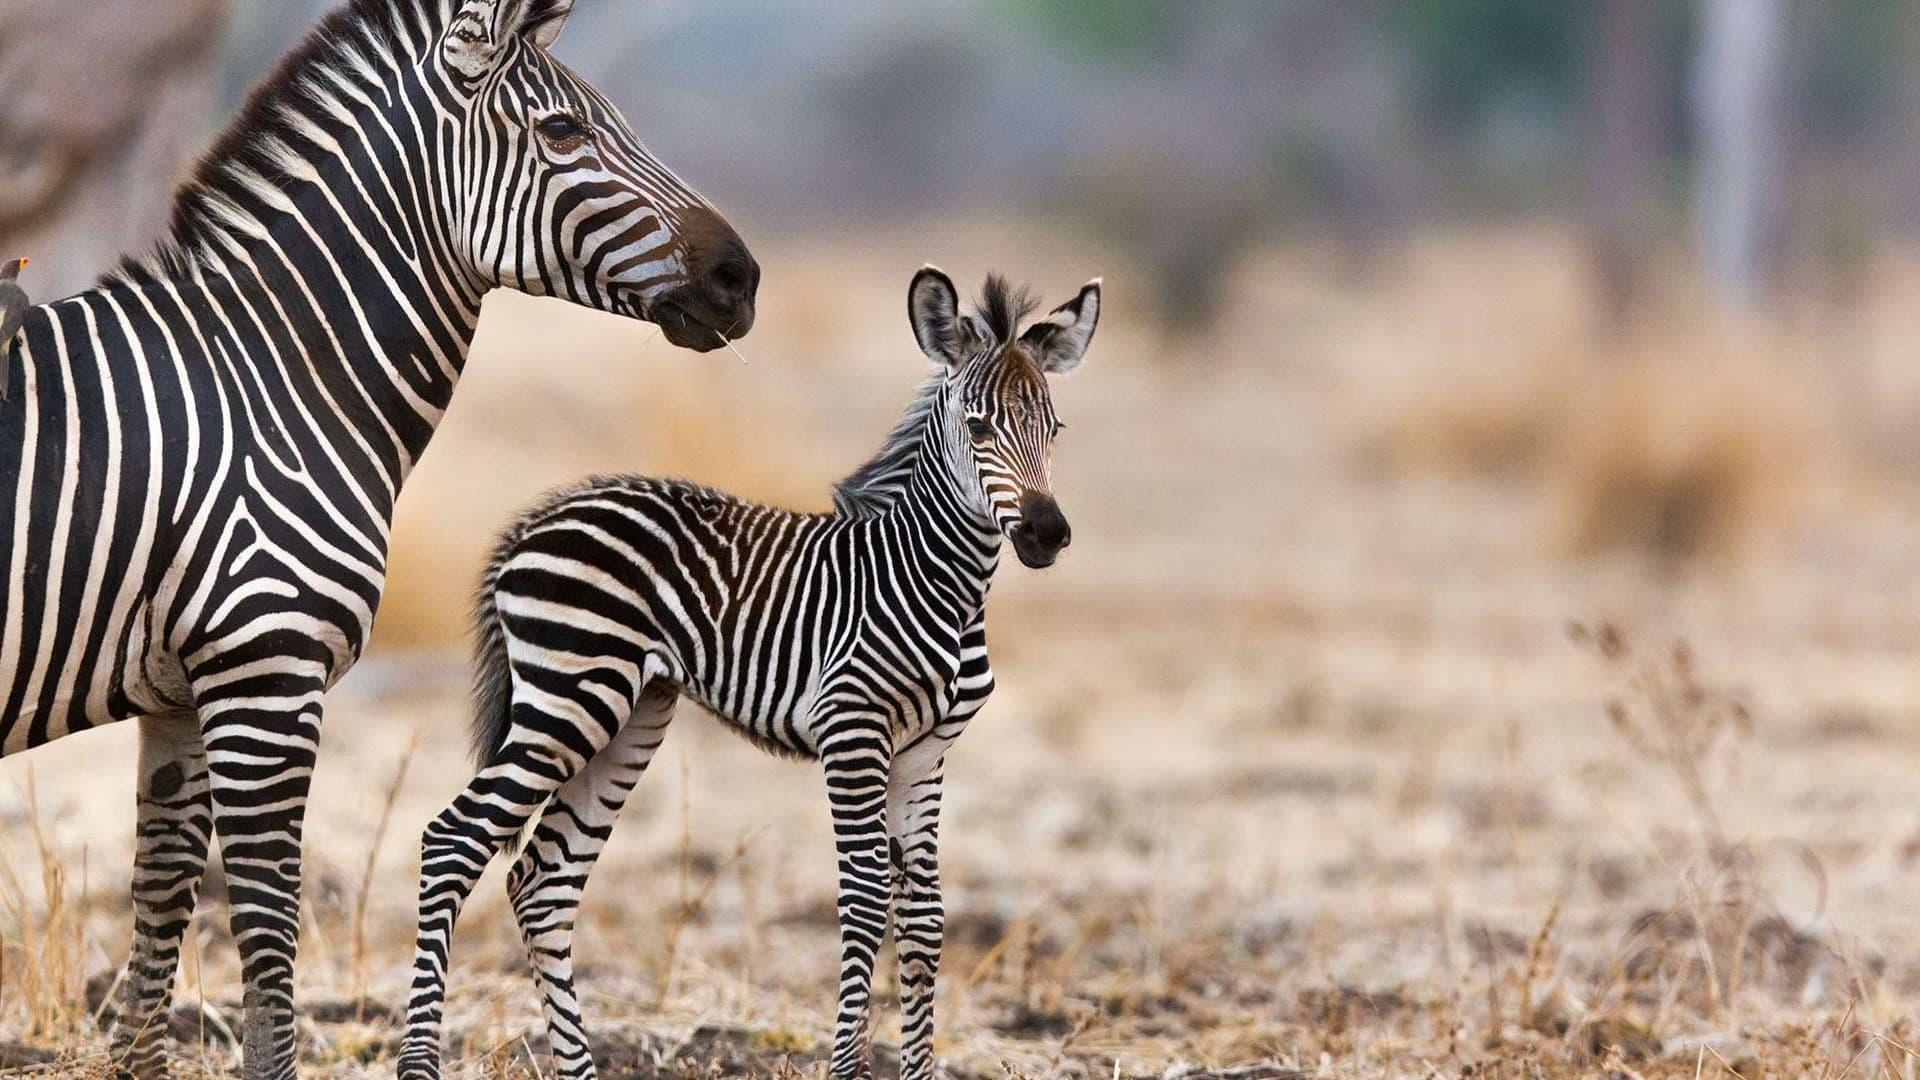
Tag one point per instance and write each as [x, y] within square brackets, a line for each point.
[1852, 59]
[1467, 55]
[1123, 31]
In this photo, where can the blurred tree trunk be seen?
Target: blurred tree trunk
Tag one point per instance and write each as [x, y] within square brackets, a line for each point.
[1622, 148]
[1740, 191]
[1366, 191]
[103, 106]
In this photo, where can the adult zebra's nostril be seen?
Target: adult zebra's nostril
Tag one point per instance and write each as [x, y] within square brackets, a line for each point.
[722, 276]
[729, 284]
[734, 276]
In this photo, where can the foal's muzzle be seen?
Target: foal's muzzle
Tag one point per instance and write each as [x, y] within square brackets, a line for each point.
[1043, 532]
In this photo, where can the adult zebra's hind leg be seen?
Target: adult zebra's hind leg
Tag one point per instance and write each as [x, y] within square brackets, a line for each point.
[547, 880]
[174, 825]
[555, 732]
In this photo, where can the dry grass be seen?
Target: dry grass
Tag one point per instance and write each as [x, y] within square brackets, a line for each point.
[1693, 434]
[1294, 769]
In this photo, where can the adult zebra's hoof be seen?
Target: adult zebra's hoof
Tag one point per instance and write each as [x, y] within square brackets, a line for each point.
[418, 1061]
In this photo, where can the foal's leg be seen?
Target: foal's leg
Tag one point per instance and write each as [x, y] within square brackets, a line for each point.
[547, 880]
[913, 821]
[856, 750]
[919, 917]
[557, 728]
[174, 825]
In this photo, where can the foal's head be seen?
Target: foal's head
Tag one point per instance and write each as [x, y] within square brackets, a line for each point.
[997, 422]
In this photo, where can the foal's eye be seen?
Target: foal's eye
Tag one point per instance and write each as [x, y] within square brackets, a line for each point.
[561, 128]
[978, 427]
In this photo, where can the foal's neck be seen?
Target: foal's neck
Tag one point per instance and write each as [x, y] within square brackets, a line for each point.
[955, 544]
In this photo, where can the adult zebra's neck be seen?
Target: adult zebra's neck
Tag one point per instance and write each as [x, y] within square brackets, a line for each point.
[322, 217]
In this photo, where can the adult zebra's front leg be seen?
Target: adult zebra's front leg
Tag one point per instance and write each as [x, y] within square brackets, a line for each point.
[550, 875]
[856, 750]
[170, 855]
[259, 707]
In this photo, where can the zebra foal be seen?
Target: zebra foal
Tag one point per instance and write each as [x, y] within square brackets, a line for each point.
[855, 637]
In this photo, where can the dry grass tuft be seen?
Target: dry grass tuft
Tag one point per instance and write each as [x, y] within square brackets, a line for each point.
[1659, 447]
[1505, 424]
[1673, 451]
[1689, 435]
[1668, 717]
[43, 962]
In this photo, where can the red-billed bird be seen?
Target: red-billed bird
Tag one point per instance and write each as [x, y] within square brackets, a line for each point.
[13, 314]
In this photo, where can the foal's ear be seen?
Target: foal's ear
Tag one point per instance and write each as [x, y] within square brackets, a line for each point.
[1059, 342]
[933, 307]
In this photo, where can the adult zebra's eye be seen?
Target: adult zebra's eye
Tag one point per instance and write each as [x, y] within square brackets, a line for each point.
[978, 427]
[561, 128]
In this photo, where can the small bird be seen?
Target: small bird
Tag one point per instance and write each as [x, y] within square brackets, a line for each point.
[13, 314]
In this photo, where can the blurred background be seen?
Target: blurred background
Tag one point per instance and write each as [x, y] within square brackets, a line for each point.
[1490, 635]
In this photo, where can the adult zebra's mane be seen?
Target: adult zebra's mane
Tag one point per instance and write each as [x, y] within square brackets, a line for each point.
[361, 36]
[870, 490]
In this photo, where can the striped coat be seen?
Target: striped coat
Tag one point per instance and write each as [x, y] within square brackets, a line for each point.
[205, 449]
[855, 638]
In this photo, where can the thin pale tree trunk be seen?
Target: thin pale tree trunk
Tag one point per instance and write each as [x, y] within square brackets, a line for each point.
[1739, 194]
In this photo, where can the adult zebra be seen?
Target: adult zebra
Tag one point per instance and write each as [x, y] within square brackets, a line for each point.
[856, 637]
[206, 447]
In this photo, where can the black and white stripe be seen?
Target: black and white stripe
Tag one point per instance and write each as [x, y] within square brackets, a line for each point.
[856, 638]
[204, 449]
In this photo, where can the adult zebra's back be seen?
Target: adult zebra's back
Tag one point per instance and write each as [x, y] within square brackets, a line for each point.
[205, 449]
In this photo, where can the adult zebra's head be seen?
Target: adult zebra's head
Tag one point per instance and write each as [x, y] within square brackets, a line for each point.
[558, 197]
[997, 421]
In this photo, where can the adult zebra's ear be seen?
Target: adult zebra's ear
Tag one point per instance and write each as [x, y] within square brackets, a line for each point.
[933, 308]
[1059, 342]
[477, 36]
[544, 19]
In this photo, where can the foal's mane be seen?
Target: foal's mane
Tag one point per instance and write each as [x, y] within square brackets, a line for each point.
[870, 490]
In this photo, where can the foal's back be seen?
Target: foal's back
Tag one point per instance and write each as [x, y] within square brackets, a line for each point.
[740, 605]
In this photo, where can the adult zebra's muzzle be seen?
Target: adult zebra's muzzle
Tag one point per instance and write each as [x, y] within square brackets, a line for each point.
[716, 304]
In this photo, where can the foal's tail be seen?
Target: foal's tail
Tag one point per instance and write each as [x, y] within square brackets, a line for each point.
[492, 673]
